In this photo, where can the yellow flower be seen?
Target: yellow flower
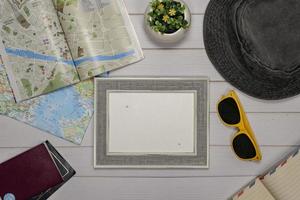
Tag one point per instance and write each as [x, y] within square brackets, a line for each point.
[160, 6]
[172, 12]
[165, 18]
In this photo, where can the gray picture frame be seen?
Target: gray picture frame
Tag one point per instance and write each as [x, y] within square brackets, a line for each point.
[102, 159]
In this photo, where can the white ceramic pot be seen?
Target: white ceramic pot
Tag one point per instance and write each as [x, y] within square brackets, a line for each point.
[164, 37]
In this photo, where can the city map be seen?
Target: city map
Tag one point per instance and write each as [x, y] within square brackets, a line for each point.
[65, 113]
[54, 44]
[35, 59]
[99, 33]
[37, 51]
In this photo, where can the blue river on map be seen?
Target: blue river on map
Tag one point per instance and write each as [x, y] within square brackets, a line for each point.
[33, 55]
[56, 106]
[63, 104]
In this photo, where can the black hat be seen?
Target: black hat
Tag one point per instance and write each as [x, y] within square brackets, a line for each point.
[255, 45]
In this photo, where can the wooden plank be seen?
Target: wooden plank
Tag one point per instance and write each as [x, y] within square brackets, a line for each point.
[196, 63]
[139, 6]
[193, 38]
[208, 188]
[251, 104]
[172, 62]
[222, 163]
[270, 129]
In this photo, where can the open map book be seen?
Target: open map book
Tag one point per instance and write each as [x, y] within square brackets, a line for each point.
[51, 44]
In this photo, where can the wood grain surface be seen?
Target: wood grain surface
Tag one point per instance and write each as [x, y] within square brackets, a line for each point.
[276, 124]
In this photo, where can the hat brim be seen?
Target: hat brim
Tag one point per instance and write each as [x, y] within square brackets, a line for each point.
[224, 52]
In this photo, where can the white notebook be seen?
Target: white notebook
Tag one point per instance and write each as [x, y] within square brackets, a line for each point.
[280, 183]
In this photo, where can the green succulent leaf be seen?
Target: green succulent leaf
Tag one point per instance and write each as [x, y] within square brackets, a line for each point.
[161, 8]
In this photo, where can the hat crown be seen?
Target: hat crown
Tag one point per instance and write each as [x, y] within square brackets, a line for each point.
[269, 33]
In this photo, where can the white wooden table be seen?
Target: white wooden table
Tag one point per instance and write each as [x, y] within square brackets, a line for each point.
[276, 125]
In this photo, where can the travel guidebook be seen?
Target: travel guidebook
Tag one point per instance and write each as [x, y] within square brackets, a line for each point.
[51, 44]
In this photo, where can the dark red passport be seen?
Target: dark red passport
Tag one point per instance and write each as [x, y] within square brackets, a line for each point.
[29, 174]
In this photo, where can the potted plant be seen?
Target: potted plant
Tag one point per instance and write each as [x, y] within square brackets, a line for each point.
[167, 21]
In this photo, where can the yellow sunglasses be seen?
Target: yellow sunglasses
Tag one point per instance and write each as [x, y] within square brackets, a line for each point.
[231, 113]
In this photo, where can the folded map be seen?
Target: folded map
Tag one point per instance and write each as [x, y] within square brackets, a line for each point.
[51, 44]
[65, 113]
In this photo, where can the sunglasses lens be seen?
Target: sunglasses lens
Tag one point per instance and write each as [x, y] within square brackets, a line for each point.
[229, 111]
[243, 147]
